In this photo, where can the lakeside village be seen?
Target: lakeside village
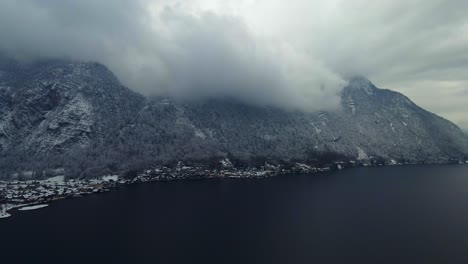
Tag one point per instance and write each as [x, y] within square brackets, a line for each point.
[35, 194]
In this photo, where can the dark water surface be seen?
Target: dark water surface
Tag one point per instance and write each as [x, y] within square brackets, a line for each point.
[367, 215]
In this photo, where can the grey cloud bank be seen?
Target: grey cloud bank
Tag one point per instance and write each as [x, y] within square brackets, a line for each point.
[295, 55]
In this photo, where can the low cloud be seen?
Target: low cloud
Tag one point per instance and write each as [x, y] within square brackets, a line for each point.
[294, 54]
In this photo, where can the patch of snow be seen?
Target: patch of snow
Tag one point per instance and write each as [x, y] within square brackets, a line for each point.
[404, 123]
[339, 166]
[3, 211]
[318, 130]
[303, 166]
[270, 166]
[226, 163]
[164, 102]
[393, 128]
[393, 162]
[200, 134]
[33, 207]
[110, 178]
[56, 179]
[5, 215]
[361, 154]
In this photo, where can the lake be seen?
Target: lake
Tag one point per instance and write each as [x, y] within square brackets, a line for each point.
[411, 214]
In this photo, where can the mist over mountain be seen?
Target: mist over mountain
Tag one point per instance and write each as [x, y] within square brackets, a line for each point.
[76, 117]
[296, 55]
[162, 48]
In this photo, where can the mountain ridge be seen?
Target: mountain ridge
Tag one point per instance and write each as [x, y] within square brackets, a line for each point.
[77, 117]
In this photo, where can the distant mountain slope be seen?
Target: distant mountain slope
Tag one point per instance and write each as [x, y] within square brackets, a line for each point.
[77, 116]
[371, 122]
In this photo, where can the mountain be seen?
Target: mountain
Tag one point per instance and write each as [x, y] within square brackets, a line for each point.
[371, 122]
[52, 107]
[77, 117]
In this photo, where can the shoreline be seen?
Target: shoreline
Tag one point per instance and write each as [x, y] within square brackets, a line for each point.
[38, 194]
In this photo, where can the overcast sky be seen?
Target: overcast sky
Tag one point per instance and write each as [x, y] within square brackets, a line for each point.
[294, 54]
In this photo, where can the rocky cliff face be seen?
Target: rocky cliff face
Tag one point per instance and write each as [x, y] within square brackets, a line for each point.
[77, 116]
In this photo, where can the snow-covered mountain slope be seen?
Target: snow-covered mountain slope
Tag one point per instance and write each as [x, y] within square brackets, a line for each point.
[52, 106]
[77, 116]
[371, 122]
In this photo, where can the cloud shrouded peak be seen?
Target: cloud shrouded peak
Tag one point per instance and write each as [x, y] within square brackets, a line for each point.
[294, 54]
